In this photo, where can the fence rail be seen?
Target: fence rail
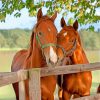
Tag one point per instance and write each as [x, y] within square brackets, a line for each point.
[93, 97]
[69, 69]
[35, 74]
[13, 77]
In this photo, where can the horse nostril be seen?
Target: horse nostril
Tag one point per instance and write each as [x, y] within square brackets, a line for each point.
[51, 62]
[57, 59]
[71, 40]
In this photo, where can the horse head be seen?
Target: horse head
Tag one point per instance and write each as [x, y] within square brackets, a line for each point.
[44, 38]
[67, 39]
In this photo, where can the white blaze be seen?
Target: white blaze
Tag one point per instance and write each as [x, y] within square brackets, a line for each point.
[49, 29]
[65, 34]
[53, 55]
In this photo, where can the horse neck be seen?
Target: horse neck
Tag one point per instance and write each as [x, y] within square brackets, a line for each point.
[78, 38]
[79, 56]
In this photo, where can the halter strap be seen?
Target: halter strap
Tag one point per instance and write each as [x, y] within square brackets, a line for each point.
[56, 45]
[45, 45]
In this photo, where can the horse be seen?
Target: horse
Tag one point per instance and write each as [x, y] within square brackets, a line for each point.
[77, 84]
[41, 53]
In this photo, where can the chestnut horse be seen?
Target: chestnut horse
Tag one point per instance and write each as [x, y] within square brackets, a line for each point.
[41, 53]
[77, 84]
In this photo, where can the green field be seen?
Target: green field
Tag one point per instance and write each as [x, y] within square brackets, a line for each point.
[7, 93]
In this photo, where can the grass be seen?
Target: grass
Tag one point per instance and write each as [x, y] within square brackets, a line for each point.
[6, 92]
[10, 49]
[6, 56]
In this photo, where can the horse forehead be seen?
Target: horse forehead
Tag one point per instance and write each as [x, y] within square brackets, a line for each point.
[46, 25]
[65, 33]
[70, 32]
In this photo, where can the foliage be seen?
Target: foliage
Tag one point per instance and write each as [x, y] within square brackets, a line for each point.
[84, 10]
[90, 39]
[15, 38]
[2, 41]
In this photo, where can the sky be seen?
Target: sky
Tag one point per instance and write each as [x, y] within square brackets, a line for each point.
[26, 22]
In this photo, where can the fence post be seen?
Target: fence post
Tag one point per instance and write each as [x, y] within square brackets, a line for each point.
[21, 90]
[21, 75]
[34, 84]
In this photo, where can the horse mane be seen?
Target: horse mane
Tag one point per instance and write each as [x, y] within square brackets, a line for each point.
[30, 45]
[69, 28]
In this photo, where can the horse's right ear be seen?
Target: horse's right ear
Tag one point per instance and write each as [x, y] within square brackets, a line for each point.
[40, 14]
[75, 25]
[63, 23]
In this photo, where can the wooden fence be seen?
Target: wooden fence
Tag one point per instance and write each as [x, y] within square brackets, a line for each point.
[34, 78]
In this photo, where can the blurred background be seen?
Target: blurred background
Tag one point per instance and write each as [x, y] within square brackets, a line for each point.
[15, 35]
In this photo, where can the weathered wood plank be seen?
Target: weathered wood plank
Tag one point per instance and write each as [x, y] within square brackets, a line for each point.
[35, 74]
[22, 90]
[69, 69]
[93, 97]
[12, 77]
[34, 84]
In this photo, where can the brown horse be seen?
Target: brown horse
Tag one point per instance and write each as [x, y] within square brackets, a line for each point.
[77, 84]
[42, 53]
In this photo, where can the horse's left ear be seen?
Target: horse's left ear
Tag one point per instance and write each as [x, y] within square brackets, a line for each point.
[39, 15]
[75, 25]
[54, 16]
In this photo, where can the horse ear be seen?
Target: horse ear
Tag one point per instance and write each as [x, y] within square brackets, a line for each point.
[54, 16]
[40, 14]
[75, 25]
[63, 23]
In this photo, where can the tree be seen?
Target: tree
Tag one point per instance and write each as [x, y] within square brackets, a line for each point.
[2, 41]
[90, 40]
[14, 38]
[84, 10]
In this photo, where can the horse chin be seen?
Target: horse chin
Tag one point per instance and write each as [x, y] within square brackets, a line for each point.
[49, 63]
[59, 63]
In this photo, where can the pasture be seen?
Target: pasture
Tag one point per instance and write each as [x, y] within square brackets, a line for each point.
[6, 93]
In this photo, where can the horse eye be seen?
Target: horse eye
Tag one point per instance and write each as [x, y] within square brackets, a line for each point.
[40, 33]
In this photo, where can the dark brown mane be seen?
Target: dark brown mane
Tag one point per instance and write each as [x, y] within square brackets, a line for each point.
[30, 45]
